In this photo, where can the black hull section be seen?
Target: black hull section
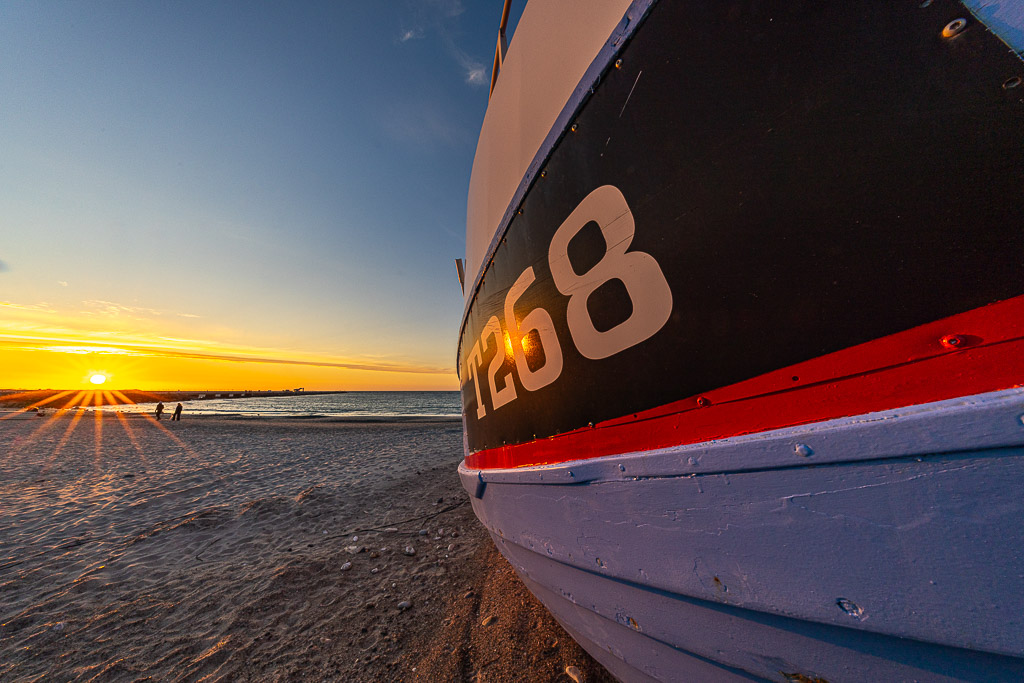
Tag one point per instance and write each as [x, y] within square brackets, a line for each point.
[805, 176]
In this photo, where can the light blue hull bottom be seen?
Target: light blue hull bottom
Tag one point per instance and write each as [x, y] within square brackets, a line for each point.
[894, 550]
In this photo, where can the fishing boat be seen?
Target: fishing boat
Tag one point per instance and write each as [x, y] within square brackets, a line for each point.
[743, 346]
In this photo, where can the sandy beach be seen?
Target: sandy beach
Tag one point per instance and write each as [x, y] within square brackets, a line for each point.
[248, 549]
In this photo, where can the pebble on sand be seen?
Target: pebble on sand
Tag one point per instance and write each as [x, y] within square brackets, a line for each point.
[573, 673]
[489, 620]
[404, 605]
[409, 550]
[345, 567]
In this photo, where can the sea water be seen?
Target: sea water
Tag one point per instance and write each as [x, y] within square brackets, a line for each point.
[347, 404]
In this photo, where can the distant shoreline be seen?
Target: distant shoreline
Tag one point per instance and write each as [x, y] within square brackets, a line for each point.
[267, 420]
[45, 398]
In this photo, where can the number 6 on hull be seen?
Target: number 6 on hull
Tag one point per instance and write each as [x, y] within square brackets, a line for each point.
[638, 271]
[540, 320]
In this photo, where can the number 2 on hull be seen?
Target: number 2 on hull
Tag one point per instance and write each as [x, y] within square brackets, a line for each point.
[508, 392]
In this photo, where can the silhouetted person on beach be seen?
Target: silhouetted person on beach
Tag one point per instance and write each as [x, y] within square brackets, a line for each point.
[159, 410]
[177, 413]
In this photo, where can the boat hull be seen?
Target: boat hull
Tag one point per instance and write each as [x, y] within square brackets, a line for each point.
[752, 197]
[741, 366]
[887, 553]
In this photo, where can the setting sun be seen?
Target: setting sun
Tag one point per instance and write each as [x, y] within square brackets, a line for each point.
[98, 378]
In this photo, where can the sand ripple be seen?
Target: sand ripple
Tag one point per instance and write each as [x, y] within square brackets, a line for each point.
[129, 549]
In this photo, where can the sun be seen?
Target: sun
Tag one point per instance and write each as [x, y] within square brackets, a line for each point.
[98, 378]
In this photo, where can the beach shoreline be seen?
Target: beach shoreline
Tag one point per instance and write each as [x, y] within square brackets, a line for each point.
[240, 548]
[98, 396]
[278, 420]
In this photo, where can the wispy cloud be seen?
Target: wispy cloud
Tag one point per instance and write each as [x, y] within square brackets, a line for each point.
[40, 307]
[226, 353]
[114, 310]
[440, 17]
[475, 72]
[449, 8]
[92, 319]
[410, 34]
[62, 283]
[82, 350]
[111, 328]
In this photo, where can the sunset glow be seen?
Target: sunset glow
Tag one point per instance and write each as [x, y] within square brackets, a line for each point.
[189, 248]
[158, 364]
[56, 348]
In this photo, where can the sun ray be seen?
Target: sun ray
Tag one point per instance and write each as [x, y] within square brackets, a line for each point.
[152, 420]
[64, 439]
[47, 424]
[128, 430]
[75, 419]
[50, 421]
[171, 435]
[98, 429]
[18, 394]
[23, 394]
[37, 404]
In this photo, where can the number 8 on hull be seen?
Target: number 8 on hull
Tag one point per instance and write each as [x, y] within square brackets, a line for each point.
[741, 360]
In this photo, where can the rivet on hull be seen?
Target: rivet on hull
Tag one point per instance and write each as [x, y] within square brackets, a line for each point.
[850, 607]
[952, 341]
[954, 27]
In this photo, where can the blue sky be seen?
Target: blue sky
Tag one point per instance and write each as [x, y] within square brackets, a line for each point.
[287, 178]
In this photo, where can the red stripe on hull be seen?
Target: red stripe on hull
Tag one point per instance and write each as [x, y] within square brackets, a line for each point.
[970, 353]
